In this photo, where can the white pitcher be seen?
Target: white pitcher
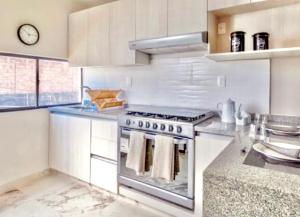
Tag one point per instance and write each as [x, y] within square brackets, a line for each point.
[227, 111]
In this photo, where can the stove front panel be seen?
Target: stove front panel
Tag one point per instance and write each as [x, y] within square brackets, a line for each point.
[180, 190]
[158, 126]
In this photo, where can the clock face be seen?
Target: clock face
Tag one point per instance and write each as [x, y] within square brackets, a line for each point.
[28, 34]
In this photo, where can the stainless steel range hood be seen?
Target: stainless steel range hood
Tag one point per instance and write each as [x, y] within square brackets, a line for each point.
[173, 44]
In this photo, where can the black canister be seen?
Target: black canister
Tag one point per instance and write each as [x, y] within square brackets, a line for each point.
[261, 41]
[238, 41]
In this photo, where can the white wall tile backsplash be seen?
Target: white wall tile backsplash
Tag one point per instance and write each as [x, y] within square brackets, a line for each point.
[185, 81]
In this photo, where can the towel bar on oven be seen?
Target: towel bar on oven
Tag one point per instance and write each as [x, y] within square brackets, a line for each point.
[178, 141]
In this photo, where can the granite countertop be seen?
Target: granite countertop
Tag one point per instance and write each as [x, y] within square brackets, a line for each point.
[232, 188]
[112, 114]
[215, 126]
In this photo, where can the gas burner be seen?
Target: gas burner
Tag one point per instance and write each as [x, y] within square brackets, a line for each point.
[165, 117]
[138, 114]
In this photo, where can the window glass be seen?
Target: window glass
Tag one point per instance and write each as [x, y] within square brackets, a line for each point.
[58, 83]
[17, 82]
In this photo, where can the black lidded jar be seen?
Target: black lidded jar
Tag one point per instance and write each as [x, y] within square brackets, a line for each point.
[261, 41]
[238, 41]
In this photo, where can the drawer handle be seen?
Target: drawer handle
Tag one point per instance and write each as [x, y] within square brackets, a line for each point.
[104, 159]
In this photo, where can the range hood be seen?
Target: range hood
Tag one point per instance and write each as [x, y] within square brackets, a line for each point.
[173, 44]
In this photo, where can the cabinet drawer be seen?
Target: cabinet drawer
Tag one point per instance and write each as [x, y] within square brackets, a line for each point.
[105, 129]
[104, 148]
[104, 174]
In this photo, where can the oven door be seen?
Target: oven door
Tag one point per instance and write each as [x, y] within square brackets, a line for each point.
[180, 191]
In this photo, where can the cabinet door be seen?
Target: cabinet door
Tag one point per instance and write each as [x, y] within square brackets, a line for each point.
[187, 16]
[151, 19]
[78, 38]
[104, 174]
[105, 129]
[208, 147]
[59, 143]
[104, 139]
[79, 150]
[70, 145]
[98, 36]
[122, 30]
[220, 4]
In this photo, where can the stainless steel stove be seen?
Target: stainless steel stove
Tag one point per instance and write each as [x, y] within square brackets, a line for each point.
[167, 120]
[174, 122]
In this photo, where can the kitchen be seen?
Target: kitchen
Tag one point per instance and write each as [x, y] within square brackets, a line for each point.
[149, 108]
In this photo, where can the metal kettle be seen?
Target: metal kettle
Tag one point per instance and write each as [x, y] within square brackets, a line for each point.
[227, 109]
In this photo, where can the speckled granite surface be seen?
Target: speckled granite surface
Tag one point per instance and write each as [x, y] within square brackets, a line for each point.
[232, 188]
[215, 126]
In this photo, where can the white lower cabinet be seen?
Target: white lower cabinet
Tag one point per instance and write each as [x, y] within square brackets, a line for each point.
[104, 139]
[69, 150]
[74, 139]
[104, 174]
[104, 148]
[105, 129]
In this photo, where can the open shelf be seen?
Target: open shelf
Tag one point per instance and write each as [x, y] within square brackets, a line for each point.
[277, 17]
[254, 6]
[255, 55]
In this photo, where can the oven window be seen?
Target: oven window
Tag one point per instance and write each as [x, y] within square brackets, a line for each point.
[180, 184]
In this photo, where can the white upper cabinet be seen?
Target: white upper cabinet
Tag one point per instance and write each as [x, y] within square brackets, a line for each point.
[122, 30]
[161, 18]
[220, 4]
[78, 27]
[151, 19]
[187, 16]
[98, 36]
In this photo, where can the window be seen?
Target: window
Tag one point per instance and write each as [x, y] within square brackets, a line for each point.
[59, 84]
[30, 82]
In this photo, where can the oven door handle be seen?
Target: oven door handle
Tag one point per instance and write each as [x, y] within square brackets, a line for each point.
[178, 141]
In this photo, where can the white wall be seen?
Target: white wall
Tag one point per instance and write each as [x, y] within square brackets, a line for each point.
[23, 144]
[49, 16]
[24, 135]
[189, 82]
[285, 86]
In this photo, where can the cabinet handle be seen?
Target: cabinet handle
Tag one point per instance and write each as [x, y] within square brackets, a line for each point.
[103, 159]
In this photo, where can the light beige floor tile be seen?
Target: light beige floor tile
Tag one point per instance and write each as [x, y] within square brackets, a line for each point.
[58, 195]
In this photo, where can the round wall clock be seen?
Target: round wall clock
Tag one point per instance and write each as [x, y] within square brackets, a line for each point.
[28, 34]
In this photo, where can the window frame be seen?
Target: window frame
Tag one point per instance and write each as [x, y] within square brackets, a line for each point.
[37, 83]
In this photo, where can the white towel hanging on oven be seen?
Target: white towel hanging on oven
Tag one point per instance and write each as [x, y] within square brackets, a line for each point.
[137, 152]
[163, 159]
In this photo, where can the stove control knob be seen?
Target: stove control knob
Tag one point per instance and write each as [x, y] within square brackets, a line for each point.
[128, 122]
[141, 123]
[162, 127]
[147, 125]
[155, 126]
[171, 128]
[179, 129]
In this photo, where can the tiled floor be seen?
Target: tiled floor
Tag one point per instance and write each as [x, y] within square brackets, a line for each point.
[57, 195]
